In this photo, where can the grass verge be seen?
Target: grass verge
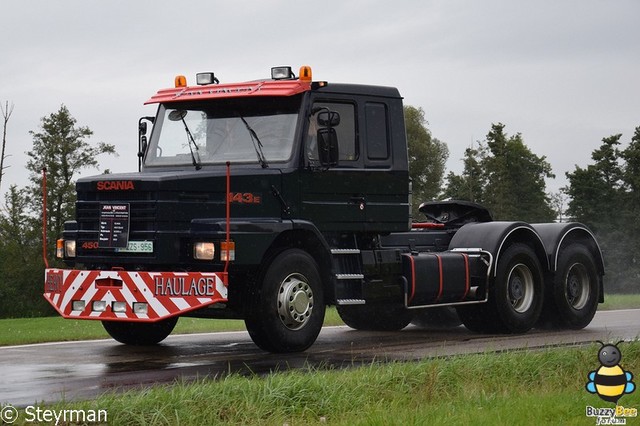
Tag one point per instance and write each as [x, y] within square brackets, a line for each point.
[539, 387]
[620, 301]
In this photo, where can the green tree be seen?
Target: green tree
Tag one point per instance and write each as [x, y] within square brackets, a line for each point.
[558, 201]
[631, 172]
[16, 225]
[61, 147]
[471, 183]
[516, 188]
[606, 196]
[21, 253]
[505, 176]
[427, 158]
[597, 188]
[631, 213]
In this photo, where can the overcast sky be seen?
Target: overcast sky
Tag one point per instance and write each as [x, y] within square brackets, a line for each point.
[565, 74]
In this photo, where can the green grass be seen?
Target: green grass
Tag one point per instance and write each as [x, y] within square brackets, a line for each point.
[515, 388]
[620, 301]
[52, 329]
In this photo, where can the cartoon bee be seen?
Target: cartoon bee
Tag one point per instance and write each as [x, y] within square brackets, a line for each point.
[610, 381]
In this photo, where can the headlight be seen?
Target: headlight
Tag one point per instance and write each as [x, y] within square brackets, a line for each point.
[140, 308]
[70, 248]
[204, 251]
[119, 307]
[99, 306]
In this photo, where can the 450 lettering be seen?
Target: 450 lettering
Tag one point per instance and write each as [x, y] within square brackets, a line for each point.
[244, 198]
[90, 245]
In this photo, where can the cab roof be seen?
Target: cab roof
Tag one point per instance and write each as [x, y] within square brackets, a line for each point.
[282, 83]
[231, 90]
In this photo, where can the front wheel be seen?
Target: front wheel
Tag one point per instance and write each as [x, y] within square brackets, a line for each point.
[286, 308]
[140, 333]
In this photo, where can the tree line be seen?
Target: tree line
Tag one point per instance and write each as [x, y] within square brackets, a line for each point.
[62, 148]
[503, 174]
[500, 172]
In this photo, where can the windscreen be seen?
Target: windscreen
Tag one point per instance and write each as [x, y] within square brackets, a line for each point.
[241, 130]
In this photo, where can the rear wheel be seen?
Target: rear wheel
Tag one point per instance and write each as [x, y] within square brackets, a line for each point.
[375, 317]
[140, 333]
[573, 300]
[516, 297]
[286, 310]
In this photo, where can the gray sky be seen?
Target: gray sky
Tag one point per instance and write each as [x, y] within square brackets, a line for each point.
[563, 73]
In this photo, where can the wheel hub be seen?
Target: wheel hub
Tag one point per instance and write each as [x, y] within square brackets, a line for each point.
[295, 301]
[516, 288]
[520, 288]
[573, 286]
[577, 286]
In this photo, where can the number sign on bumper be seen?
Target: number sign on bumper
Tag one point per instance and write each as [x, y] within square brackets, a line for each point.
[137, 247]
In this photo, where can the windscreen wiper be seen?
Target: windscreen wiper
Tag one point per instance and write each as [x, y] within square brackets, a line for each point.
[257, 145]
[178, 115]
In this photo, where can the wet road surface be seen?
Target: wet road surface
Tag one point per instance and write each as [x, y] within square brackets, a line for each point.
[81, 370]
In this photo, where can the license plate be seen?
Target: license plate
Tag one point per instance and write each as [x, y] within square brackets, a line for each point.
[137, 247]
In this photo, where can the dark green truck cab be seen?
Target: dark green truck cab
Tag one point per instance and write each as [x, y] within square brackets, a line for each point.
[269, 200]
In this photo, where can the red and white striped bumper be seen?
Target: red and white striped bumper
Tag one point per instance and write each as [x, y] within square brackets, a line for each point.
[165, 294]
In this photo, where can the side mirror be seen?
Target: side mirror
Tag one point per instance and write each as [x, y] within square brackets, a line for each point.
[328, 153]
[328, 118]
[142, 137]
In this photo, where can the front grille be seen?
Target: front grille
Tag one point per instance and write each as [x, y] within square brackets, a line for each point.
[142, 222]
[142, 215]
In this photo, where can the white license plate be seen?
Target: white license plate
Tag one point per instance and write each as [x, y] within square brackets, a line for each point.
[137, 247]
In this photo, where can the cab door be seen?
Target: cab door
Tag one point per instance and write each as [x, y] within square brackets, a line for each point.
[368, 189]
[387, 175]
[334, 197]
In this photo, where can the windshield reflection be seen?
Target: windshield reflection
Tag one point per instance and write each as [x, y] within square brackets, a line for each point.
[219, 133]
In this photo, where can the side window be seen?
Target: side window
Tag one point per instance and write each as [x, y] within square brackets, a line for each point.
[377, 132]
[346, 131]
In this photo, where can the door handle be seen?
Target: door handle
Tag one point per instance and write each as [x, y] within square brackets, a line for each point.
[359, 201]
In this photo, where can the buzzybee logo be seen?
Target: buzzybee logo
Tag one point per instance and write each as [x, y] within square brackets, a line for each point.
[610, 382]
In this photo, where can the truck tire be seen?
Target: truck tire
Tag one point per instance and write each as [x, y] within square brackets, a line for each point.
[516, 297]
[286, 308]
[478, 318]
[573, 299]
[140, 333]
[439, 318]
[375, 317]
